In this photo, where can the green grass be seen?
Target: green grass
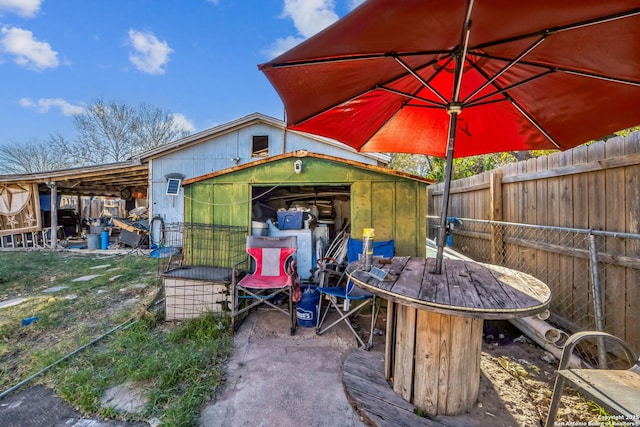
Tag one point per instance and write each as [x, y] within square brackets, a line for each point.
[178, 366]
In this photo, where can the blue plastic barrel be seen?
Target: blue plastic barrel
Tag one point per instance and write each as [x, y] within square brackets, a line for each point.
[105, 240]
[307, 307]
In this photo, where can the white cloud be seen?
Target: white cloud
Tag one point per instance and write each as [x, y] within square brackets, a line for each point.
[43, 105]
[181, 121]
[310, 16]
[28, 52]
[150, 55]
[24, 8]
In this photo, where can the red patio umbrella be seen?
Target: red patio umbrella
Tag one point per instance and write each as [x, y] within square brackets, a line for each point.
[462, 77]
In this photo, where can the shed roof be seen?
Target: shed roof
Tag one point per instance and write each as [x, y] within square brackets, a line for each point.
[104, 180]
[303, 154]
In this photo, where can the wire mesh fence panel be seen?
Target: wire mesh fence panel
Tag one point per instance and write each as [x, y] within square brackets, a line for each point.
[606, 297]
[196, 263]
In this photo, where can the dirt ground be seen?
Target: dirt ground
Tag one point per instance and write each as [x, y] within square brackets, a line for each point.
[517, 378]
[516, 382]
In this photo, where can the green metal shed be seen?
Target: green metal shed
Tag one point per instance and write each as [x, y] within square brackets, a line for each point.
[393, 203]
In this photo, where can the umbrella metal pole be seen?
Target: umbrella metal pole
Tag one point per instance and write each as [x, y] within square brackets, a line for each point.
[442, 229]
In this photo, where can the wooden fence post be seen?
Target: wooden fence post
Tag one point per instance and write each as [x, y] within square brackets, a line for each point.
[495, 195]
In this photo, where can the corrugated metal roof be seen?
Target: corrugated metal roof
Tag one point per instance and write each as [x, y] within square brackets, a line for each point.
[241, 123]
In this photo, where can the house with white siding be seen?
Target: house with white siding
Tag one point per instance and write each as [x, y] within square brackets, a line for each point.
[245, 140]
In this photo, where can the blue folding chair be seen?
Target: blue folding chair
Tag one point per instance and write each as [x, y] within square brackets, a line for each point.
[350, 300]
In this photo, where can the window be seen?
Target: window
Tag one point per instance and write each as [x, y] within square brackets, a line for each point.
[260, 146]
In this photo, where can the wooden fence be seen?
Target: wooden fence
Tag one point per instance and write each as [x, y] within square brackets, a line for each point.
[594, 187]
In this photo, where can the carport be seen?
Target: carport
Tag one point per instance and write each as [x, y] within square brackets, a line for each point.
[20, 210]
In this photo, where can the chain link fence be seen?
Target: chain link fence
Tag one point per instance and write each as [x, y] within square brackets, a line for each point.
[594, 276]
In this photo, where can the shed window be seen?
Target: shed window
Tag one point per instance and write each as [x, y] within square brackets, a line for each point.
[260, 146]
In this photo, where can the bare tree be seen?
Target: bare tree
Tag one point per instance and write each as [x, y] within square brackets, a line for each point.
[30, 157]
[156, 127]
[114, 132]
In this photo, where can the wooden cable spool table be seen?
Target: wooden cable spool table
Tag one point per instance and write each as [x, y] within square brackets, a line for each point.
[434, 323]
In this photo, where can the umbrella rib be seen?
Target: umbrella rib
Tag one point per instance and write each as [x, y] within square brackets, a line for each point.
[533, 122]
[548, 31]
[420, 79]
[501, 90]
[562, 69]
[408, 95]
[345, 58]
[599, 77]
[465, 49]
[518, 107]
[505, 68]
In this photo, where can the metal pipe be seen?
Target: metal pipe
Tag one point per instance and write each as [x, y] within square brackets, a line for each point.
[534, 326]
[597, 300]
[453, 117]
[553, 348]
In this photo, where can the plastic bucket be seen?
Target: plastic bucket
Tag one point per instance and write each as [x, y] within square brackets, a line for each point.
[259, 228]
[93, 241]
[307, 307]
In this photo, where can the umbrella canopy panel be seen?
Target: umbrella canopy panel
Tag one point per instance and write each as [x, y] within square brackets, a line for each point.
[533, 75]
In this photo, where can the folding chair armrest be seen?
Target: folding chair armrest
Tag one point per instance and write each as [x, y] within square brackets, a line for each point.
[237, 269]
[574, 339]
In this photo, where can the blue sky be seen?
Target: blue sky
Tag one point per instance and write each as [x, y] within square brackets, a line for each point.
[195, 58]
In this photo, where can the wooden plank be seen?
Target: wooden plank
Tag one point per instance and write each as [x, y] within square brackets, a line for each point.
[511, 197]
[553, 218]
[485, 283]
[432, 282]
[371, 394]
[464, 364]
[565, 218]
[581, 283]
[593, 166]
[597, 188]
[474, 357]
[390, 339]
[383, 206]
[632, 316]
[614, 285]
[438, 189]
[511, 203]
[361, 199]
[527, 256]
[427, 356]
[406, 207]
[497, 231]
[440, 284]
[541, 219]
[410, 282]
[457, 281]
[443, 362]
[404, 350]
